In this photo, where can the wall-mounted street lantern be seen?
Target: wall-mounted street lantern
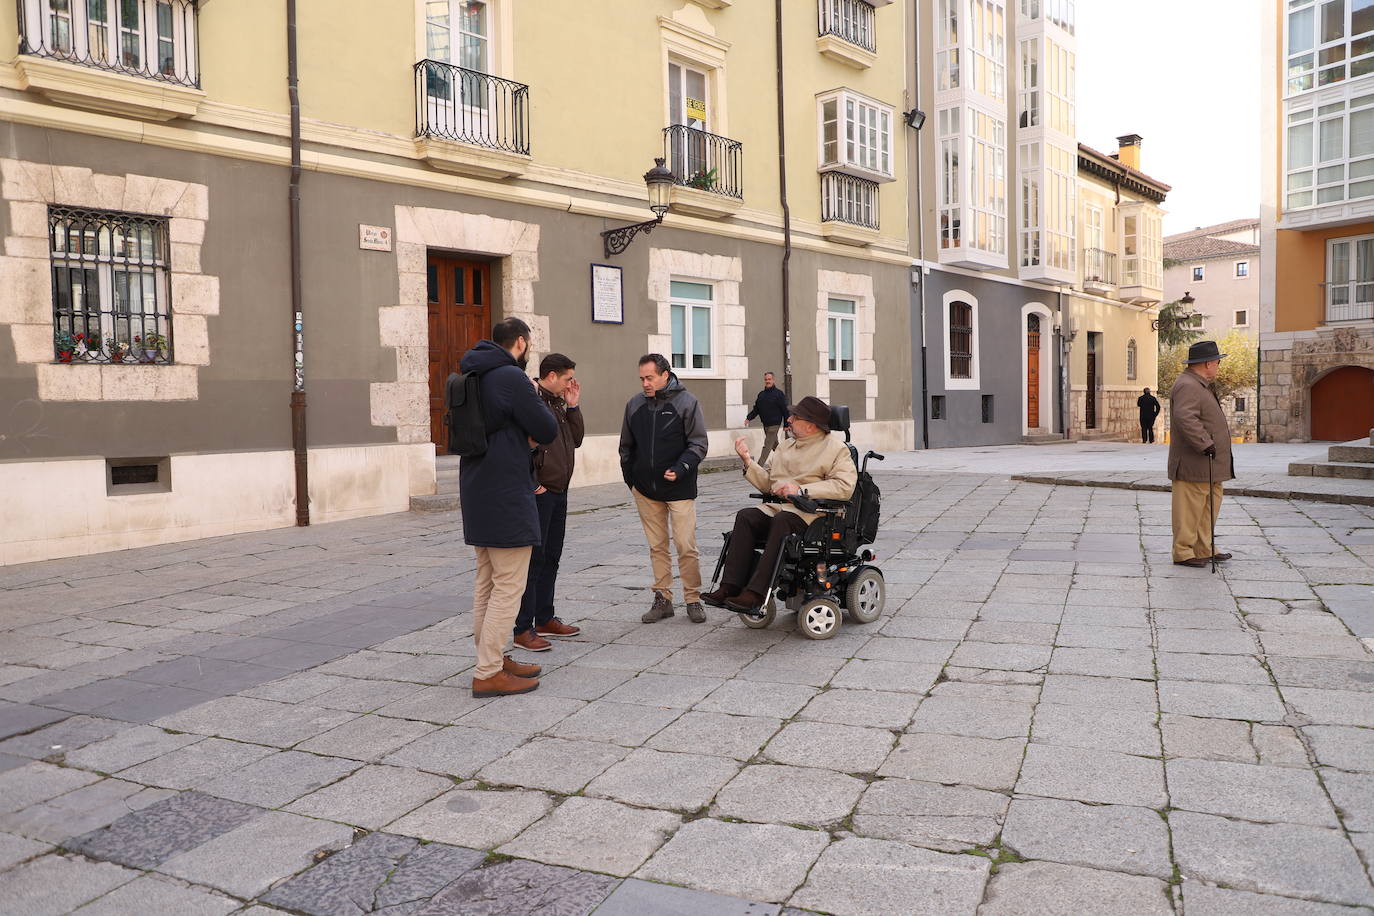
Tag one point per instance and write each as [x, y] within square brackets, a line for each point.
[660, 182]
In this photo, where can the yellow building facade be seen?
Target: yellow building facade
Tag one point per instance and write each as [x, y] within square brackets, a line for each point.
[460, 161]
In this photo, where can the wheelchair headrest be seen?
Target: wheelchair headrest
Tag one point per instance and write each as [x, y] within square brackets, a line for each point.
[839, 420]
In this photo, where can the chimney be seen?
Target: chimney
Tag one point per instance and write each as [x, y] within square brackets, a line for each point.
[1128, 151]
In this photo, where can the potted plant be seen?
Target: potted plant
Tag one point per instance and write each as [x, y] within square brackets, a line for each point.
[117, 350]
[66, 345]
[92, 345]
[154, 346]
[702, 180]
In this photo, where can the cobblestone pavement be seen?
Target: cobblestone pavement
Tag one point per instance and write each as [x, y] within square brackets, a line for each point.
[1048, 718]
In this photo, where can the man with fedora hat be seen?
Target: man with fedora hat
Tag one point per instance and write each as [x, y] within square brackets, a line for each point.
[1199, 456]
[811, 462]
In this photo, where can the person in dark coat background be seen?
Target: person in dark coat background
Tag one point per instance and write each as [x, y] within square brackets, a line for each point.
[1149, 410]
[770, 406]
[496, 490]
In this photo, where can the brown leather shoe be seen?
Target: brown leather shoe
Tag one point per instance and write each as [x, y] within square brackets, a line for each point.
[721, 595]
[1221, 557]
[502, 684]
[511, 666]
[745, 601]
[556, 627]
[1195, 562]
[531, 641]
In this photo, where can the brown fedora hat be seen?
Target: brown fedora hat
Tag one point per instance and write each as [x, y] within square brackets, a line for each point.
[813, 410]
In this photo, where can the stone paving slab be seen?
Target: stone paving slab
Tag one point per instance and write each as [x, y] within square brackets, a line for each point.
[147, 838]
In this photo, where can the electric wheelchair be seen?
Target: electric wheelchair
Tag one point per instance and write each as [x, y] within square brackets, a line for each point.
[829, 566]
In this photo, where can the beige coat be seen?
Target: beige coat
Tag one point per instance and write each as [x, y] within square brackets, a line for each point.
[819, 464]
[1196, 421]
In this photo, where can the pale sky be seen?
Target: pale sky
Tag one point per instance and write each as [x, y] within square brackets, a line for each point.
[1185, 75]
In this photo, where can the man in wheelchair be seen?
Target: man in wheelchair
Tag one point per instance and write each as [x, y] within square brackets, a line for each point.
[812, 462]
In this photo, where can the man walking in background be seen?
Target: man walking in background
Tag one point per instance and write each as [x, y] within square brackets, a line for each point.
[1199, 456]
[770, 406]
[662, 440]
[496, 492]
[553, 465]
[1149, 410]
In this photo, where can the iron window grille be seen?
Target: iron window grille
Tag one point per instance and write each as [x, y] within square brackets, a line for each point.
[469, 106]
[937, 407]
[849, 199]
[150, 39]
[960, 340]
[987, 408]
[704, 161]
[851, 20]
[110, 287]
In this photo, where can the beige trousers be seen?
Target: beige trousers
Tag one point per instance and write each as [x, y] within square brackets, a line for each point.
[501, 575]
[654, 515]
[770, 442]
[1192, 528]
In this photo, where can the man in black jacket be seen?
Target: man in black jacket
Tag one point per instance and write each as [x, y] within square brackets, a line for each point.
[771, 408]
[1149, 410]
[662, 440]
[496, 492]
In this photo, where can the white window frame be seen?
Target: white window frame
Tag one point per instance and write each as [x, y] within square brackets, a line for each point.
[1132, 360]
[836, 322]
[1358, 292]
[861, 135]
[689, 343]
[961, 384]
[1242, 270]
[185, 63]
[1241, 318]
[1199, 273]
[1304, 52]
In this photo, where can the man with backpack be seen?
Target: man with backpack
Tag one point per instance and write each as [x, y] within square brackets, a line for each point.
[496, 490]
[662, 440]
[553, 463]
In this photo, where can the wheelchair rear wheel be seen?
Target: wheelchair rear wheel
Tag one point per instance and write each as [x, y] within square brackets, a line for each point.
[866, 595]
[819, 618]
[770, 613]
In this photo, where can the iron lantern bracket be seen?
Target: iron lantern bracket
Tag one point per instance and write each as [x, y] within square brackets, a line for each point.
[617, 240]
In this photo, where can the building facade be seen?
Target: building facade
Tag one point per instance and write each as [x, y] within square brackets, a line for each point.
[1219, 267]
[1317, 222]
[151, 342]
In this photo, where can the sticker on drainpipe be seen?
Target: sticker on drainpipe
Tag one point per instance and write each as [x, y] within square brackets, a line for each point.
[374, 238]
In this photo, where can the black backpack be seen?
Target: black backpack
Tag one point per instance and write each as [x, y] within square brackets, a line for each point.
[464, 416]
[869, 501]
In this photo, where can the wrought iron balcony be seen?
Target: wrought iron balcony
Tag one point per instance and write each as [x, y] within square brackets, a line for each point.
[849, 199]
[150, 39]
[1099, 267]
[851, 20]
[468, 106]
[1349, 301]
[703, 161]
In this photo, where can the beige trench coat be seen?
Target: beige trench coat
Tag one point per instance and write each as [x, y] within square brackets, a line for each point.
[1196, 421]
[819, 464]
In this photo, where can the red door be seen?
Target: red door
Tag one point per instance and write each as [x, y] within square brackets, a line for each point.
[459, 316]
[1343, 404]
[1032, 371]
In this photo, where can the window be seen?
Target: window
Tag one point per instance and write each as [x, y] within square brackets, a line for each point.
[1061, 86]
[840, 335]
[960, 340]
[987, 408]
[1029, 157]
[1329, 150]
[456, 33]
[856, 133]
[154, 39]
[1242, 269]
[1060, 12]
[851, 20]
[1350, 279]
[1242, 318]
[692, 316]
[1028, 93]
[1141, 246]
[1328, 42]
[937, 407]
[687, 90]
[1061, 205]
[1240, 405]
[950, 177]
[1199, 274]
[1130, 361]
[111, 301]
[947, 45]
[987, 182]
[987, 37]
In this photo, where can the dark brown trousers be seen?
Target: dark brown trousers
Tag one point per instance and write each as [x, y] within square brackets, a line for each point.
[753, 527]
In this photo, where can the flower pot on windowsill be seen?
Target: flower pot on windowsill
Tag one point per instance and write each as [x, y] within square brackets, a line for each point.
[116, 356]
[150, 356]
[64, 356]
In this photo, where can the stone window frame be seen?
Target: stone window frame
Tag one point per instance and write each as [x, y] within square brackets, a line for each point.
[858, 287]
[972, 382]
[26, 275]
[730, 358]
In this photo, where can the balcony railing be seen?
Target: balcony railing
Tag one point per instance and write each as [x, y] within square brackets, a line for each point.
[849, 199]
[851, 20]
[471, 107]
[1099, 266]
[1351, 301]
[704, 161]
[150, 39]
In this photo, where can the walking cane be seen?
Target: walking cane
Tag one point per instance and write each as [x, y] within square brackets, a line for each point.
[1211, 517]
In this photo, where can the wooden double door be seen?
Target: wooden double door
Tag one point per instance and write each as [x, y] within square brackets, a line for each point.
[1343, 404]
[1032, 371]
[459, 297]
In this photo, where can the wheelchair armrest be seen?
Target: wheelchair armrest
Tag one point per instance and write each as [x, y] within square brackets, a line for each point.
[831, 505]
[767, 497]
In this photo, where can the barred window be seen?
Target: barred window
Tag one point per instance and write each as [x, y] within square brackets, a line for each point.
[110, 293]
[960, 340]
[1131, 360]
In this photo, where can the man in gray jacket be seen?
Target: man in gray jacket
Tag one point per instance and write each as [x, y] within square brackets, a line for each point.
[662, 440]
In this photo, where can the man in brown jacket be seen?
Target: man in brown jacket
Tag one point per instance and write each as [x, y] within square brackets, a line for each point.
[561, 393]
[1199, 452]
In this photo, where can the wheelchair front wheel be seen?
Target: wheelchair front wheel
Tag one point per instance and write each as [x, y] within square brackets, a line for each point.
[819, 618]
[770, 613]
[866, 595]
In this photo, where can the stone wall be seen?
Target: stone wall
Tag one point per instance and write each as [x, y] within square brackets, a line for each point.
[1287, 376]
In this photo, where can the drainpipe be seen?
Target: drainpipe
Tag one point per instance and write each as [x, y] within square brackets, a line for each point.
[921, 250]
[1259, 386]
[297, 318]
[1064, 379]
[786, 215]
